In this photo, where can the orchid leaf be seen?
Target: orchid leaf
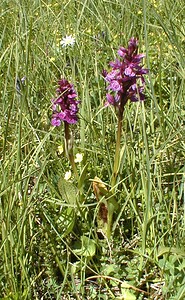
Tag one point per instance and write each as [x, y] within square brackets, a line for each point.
[67, 220]
[85, 247]
[68, 191]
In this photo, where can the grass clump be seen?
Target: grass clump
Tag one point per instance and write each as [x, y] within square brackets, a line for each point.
[52, 242]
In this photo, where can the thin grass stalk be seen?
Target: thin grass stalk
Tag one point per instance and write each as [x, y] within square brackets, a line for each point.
[148, 214]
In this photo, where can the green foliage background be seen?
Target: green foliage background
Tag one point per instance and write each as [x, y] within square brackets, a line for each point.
[49, 244]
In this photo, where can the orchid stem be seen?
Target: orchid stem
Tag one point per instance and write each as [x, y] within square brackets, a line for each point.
[117, 152]
[69, 148]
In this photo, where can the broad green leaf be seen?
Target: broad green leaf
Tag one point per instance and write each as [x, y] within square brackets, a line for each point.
[108, 269]
[127, 295]
[173, 250]
[75, 267]
[68, 191]
[67, 220]
[86, 247]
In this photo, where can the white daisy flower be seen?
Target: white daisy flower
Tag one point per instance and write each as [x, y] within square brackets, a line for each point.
[69, 40]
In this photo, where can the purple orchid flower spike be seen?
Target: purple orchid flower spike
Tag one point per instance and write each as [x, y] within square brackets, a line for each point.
[65, 109]
[126, 80]
[65, 106]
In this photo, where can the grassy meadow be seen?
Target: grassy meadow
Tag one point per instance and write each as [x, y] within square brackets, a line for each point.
[51, 244]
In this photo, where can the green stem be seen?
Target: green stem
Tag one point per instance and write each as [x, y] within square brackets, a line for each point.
[69, 148]
[117, 152]
[112, 203]
[121, 109]
[71, 159]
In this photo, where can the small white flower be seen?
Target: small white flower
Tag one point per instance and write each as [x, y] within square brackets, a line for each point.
[69, 40]
[60, 149]
[67, 175]
[78, 157]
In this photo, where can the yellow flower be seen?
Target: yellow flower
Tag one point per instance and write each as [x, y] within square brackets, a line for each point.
[170, 47]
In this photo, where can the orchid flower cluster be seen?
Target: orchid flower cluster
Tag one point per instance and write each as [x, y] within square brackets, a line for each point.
[65, 105]
[124, 77]
[122, 83]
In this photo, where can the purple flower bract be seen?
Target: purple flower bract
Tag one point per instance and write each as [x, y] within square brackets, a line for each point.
[65, 105]
[126, 80]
